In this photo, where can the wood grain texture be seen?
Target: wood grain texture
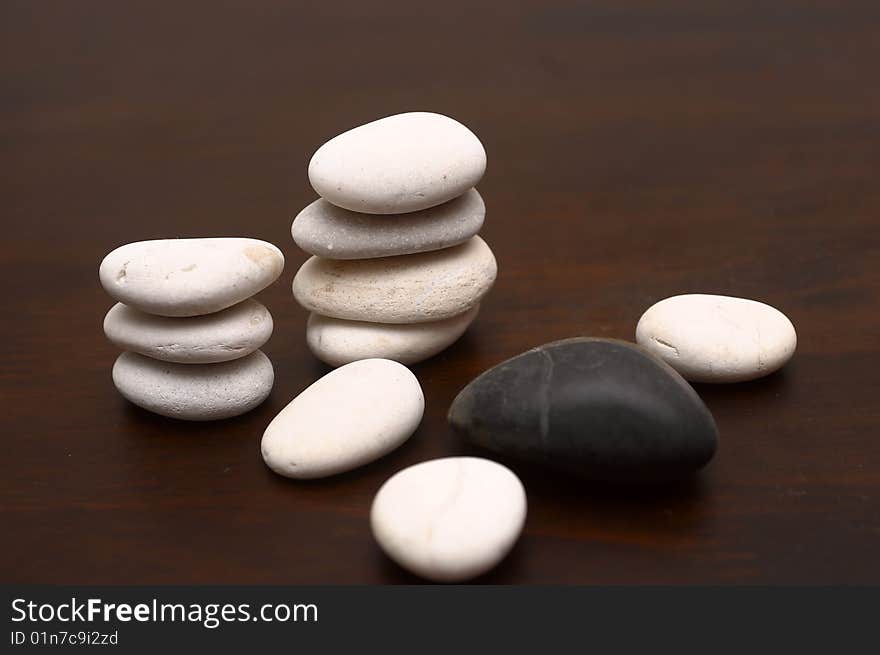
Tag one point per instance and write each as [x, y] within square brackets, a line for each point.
[635, 151]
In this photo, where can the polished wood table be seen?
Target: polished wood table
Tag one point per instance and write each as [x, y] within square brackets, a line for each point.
[636, 150]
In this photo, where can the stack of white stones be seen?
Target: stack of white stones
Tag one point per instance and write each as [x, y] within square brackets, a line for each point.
[190, 330]
[398, 271]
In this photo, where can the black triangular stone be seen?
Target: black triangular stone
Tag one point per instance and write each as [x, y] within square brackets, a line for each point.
[600, 408]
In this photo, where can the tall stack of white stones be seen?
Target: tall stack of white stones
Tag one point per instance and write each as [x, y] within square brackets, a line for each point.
[398, 270]
[190, 330]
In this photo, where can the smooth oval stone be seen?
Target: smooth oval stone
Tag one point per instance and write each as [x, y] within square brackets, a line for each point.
[194, 392]
[329, 231]
[600, 408]
[710, 338]
[402, 163]
[349, 417]
[429, 286]
[449, 519]
[219, 337]
[336, 341]
[189, 277]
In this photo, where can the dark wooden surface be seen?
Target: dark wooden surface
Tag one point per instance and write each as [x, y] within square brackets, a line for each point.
[636, 150]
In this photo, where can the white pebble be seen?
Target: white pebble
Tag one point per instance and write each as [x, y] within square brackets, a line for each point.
[219, 337]
[337, 341]
[451, 519]
[408, 289]
[709, 338]
[351, 416]
[194, 392]
[398, 164]
[189, 277]
[329, 231]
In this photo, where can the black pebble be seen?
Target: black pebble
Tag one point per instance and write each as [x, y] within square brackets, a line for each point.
[600, 408]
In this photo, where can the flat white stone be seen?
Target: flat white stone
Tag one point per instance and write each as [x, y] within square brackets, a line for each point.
[429, 286]
[449, 519]
[329, 231]
[222, 336]
[189, 277]
[194, 392]
[351, 416]
[337, 341]
[709, 338]
[398, 164]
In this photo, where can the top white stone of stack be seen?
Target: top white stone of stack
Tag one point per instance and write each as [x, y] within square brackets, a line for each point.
[399, 164]
[189, 277]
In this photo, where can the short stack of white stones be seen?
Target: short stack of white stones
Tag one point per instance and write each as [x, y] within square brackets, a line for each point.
[190, 330]
[398, 270]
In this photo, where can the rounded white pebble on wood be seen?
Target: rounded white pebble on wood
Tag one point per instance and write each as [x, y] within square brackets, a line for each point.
[194, 392]
[336, 341]
[229, 334]
[189, 277]
[329, 231]
[351, 416]
[710, 338]
[450, 519]
[398, 164]
[428, 286]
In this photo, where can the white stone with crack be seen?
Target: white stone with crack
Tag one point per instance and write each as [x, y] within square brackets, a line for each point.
[337, 341]
[351, 416]
[329, 231]
[189, 277]
[418, 288]
[229, 334]
[449, 520]
[711, 338]
[194, 392]
[398, 164]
